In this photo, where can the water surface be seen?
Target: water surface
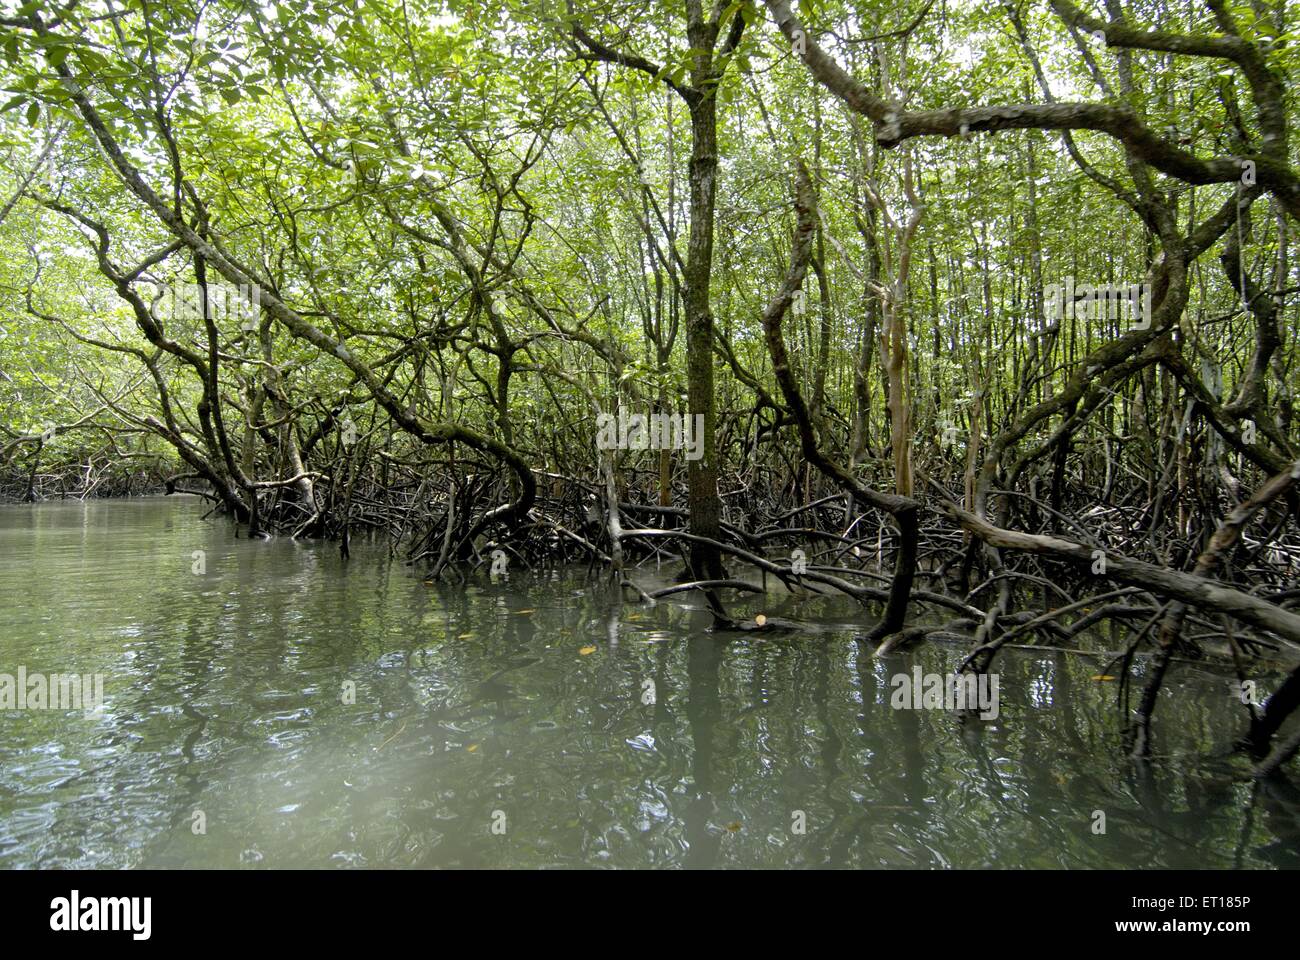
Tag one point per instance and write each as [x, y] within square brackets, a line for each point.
[587, 731]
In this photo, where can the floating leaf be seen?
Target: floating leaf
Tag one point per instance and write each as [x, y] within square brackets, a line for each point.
[471, 748]
[586, 650]
[760, 620]
[1103, 676]
[734, 826]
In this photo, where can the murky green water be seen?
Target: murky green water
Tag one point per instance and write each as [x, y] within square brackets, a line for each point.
[478, 708]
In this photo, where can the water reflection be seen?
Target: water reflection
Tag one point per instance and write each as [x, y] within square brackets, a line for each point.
[524, 702]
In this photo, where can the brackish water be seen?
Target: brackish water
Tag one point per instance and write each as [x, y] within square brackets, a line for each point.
[523, 704]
